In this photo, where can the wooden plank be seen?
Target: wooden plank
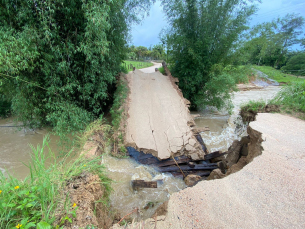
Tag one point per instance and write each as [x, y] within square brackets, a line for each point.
[214, 155]
[149, 161]
[200, 140]
[172, 162]
[143, 184]
[145, 156]
[210, 166]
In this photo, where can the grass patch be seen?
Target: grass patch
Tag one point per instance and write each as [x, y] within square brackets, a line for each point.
[292, 99]
[254, 106]
[34, 201]
[278, 75]
[138, 64]
[117, 114]
[162, 71]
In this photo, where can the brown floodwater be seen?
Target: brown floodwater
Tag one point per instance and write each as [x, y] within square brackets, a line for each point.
[124, 199]
[224, 129]
[15, 147]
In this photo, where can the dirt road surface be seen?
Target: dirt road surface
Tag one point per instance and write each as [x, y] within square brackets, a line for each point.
[267, 193]
[159, 121]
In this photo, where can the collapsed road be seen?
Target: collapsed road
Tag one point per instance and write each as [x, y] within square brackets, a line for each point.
[159, 121]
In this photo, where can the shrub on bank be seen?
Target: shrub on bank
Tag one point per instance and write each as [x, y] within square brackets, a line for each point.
[34, 201]
[292, 98]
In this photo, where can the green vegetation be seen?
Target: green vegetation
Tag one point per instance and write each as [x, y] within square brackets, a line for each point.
[254, 106]
[35, 201]
[296, 65]
[5, 107]
[269, 43]
[59, 59]
[161, 70]
[117, 115]
[138, 64]
[278, 75]
[292, 99]
[155, 52]
[201, 36]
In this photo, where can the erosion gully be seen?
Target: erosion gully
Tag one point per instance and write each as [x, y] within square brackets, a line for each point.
[224, 129]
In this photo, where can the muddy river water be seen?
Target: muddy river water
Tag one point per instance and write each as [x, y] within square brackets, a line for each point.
[224, 129]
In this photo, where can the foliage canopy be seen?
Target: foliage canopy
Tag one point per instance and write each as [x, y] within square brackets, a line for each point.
[202, 35]
[269, 43]
[59, 59]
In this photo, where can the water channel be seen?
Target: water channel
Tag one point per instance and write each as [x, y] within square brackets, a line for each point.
[224, 129]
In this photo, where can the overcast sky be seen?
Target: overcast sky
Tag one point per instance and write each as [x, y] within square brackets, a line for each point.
[147, 33]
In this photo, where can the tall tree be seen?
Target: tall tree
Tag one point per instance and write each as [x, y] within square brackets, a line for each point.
[201, 36]
[59, 59]
[270, 42]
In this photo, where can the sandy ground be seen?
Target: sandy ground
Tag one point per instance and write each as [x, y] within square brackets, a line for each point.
[158, 118]
[267, 193]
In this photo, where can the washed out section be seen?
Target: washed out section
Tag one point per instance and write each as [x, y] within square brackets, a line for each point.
[124, 199]
[224, 129]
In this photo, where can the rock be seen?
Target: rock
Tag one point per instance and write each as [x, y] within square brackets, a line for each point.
[90, 149]
[217, 159]
[189, 148]
[195, 156]
[222, 166]
[161, 210]
[237, 167]
[191, 180]
[233, 153]
[216, 174]
[255, 146]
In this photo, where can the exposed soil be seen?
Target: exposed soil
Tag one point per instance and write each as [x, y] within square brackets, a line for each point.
[87, 193]
[249, 115]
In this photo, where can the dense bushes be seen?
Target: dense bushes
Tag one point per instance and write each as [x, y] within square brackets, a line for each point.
[5, 107]
[292, 98]
[59, 59]
[296, 64]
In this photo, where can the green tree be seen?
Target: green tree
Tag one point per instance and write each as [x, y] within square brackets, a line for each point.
[158, 51]
[296, 64]
[201, 35]
[141, 52]
[269, 43]
[59, 59]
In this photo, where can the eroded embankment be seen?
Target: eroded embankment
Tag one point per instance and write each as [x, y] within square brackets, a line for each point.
[266, 193]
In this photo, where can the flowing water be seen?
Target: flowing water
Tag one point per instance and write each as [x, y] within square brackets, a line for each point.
[15, 147]
[124, 199]
[224, 129]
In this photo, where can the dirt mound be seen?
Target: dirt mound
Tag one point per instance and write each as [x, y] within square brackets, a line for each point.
[86, 193]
